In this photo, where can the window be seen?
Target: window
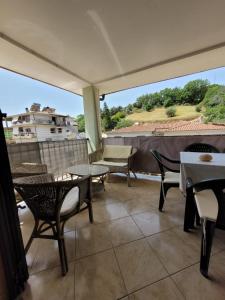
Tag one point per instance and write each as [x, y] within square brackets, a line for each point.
[20, 129]
[59, 130]
[52, 130]
[28, 130]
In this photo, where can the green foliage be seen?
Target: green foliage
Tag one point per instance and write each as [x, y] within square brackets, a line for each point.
[119, 115]
[80, 122]
[214, 103]
[107, 122]
[124, 123]
[198, 108]
[194, 91]
[171, 112]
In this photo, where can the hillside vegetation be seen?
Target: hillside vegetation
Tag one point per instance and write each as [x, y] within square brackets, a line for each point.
[183, 112]
[197, 97]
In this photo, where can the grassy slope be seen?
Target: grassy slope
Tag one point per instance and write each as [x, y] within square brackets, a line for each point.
[184, 112]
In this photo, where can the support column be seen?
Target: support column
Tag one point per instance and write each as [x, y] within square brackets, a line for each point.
[92, 117]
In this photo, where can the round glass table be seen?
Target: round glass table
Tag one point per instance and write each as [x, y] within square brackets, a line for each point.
[96, 172]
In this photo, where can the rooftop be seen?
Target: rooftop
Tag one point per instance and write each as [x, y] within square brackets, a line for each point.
[193, 125]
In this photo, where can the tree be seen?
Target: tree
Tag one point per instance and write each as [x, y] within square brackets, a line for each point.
[80, 122]
[107, 123]
[194, 91]
[214, 103]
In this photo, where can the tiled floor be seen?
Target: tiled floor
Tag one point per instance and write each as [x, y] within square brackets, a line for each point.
[131, 252]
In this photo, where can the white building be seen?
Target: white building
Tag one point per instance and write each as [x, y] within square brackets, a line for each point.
[36, 125]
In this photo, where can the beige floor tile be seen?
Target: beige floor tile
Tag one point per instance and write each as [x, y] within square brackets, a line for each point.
[98, 277]
[123, 230]
[152, 221]
[92, 239]
[162, 290]
[47, 254]
[194, 286]
[174, 252]
[82, 219]
[50, 285]
[139, 265]
[104, 212]
[174, 211]
[137, 205]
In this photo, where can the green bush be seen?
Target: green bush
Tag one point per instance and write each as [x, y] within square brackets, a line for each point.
[171, 112]
[198, 108]
[168, 102]
[124, 123]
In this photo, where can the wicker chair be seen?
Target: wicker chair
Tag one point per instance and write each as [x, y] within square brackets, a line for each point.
[52, 203]
[200, 147]
[169, 177]
[24, 170]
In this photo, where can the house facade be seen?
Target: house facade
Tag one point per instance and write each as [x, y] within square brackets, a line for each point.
[36, 125]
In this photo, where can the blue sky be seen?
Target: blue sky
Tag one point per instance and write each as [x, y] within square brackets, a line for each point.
[18, 92]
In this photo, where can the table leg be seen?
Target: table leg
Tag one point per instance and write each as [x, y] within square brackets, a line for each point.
[189, 215]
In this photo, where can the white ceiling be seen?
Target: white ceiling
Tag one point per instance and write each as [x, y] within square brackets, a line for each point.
[114, 44]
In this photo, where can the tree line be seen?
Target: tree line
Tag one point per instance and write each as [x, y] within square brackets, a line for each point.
[208, 98]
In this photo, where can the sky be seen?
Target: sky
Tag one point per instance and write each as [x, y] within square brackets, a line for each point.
[19, 92]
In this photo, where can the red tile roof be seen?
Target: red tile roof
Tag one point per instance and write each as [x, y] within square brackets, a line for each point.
[193, 125]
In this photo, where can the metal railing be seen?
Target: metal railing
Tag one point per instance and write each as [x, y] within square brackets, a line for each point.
[57, 155]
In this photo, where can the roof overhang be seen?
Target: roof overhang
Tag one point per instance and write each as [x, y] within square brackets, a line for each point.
[113, 45]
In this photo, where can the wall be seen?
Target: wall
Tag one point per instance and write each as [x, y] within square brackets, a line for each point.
[170, 146]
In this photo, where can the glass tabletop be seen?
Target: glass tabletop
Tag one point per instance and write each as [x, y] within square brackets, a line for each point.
[86, 169]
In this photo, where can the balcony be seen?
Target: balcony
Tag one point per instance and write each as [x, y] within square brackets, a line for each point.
[130, 250]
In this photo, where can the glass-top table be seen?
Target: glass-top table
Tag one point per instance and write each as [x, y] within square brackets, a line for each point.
[95, 171]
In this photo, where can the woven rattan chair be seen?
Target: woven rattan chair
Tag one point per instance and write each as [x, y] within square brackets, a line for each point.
[52, 203]
[200, 147]
[169, 177]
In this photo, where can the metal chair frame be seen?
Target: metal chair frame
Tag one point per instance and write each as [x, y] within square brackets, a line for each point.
[165, 186]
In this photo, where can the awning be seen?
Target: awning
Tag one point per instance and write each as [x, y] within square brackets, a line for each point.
[113, 45]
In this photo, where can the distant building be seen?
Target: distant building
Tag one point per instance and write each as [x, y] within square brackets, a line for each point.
[46, 125]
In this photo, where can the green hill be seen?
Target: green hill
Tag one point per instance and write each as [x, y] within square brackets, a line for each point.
[183, 112]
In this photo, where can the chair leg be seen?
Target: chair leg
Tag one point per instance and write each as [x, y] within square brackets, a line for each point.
[163, 191]
[161, 199]
[27, 247]
[208, 228]
[62, 249]
[90, 212]
[128, 178]
[62, 256]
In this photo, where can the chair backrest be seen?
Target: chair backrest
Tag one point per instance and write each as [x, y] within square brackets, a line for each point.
[44, 196]
[28, 169]
[116, 152]
[158, 158]
[201, 147]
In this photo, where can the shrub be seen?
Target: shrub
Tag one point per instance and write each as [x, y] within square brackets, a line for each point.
[198, 108]
[171, 112]
[168, 102]
[124, 123]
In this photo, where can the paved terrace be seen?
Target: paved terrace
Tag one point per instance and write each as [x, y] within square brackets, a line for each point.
[130, 252]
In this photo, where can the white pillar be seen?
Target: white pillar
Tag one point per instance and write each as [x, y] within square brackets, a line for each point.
[92, 117]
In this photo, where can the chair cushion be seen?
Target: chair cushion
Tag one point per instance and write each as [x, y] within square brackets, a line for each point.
[70, 202]
[116, 152]
[110, 163]
[207, 204]
[172, 177]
